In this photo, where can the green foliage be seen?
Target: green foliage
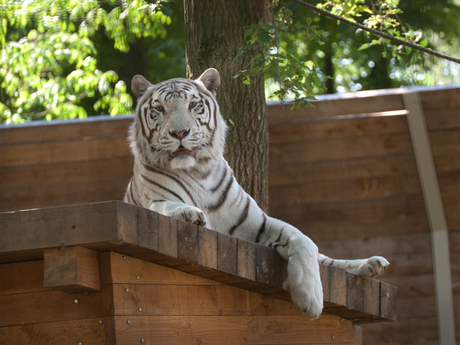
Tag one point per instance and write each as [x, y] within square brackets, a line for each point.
[305, 53]
[48, 59]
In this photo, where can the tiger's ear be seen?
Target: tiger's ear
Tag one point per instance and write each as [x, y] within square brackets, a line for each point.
[211, 79]
[139, 85]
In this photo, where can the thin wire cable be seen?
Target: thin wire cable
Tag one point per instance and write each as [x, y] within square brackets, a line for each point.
[376, 32]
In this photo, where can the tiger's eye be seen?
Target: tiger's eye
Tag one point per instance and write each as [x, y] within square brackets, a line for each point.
[160, 108]
[192, 105]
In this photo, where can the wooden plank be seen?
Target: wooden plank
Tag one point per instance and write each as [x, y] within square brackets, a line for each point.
[110, 332]
[108, 300]
[265, 265]
[126, 270]
[227, 255]
[444, 139]
[72, 269]
[408, 244]
[442, 118]
[188, 241]
[148, 228]
[352, 189]
[409, 331]
[439, 98]
[65, 226]
[195, 300]
[369, 211]
[48, 306]
[446, 159]
[356, 103]
[337, 286]
[368, 167]
[53, 195]
[66, 151]
[356, 228]
[41, 131]
[387, 300]
[371, 297]
[412, 286]
[57, 173]
[355, 292]
[357, 125]
[340, 148]
[357, 335]
[87, 332]
[271, 329]
[329, 221]
[207, 248]
[246, 260]
[168, 237]
[325, 281]
[418, 307]
[21, 277]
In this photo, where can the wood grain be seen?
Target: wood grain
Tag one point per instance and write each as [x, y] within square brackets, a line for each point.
[21, 277]
[126, 270]
[86, 331]
[232, 330]
[72, 269]
[195, 300]
[101, 126]
[48, 306]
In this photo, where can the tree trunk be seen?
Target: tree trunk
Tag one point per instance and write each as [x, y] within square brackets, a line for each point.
[214, 32]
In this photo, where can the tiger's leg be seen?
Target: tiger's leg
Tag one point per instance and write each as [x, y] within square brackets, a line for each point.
[365, 268]
[303, 281]
[180, 211]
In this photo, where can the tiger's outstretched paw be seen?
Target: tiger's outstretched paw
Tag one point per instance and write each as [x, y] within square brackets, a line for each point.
[308, 301]
[189, 214]
[304, 284]
[373, 267]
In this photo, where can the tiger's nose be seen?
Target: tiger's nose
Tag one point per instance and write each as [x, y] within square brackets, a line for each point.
[179, 134]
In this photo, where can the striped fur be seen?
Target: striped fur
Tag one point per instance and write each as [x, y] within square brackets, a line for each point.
[178, 139]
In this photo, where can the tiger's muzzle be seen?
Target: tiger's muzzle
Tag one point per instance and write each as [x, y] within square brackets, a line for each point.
[181, 151]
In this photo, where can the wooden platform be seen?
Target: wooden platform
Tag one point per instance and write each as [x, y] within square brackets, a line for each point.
[113, 273]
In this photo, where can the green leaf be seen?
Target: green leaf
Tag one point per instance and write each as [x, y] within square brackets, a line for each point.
[264, 36]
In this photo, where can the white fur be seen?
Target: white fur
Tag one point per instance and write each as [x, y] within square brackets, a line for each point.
[201, 189]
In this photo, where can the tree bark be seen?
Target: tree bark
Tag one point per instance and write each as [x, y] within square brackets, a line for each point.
[214, 32]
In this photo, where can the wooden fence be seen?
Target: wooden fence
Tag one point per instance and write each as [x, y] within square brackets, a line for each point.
[344, 172]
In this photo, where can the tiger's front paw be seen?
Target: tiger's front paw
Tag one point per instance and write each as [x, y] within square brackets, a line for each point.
[189, 214]
[304, 283]
[373, 267]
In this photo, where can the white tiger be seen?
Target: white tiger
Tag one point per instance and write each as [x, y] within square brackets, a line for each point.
[178, 139]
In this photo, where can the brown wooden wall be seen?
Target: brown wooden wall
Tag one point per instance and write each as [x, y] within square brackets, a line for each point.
[343, 172]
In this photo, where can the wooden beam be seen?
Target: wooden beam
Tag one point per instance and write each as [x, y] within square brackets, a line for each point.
[72, 269]
[436, 216]
[147, 235]
[83, 331]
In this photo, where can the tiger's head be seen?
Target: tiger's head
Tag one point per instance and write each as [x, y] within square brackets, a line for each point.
[177, 123]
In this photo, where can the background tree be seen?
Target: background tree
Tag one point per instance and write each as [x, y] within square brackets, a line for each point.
[63, 59]
[214, 33]
[355, 60]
